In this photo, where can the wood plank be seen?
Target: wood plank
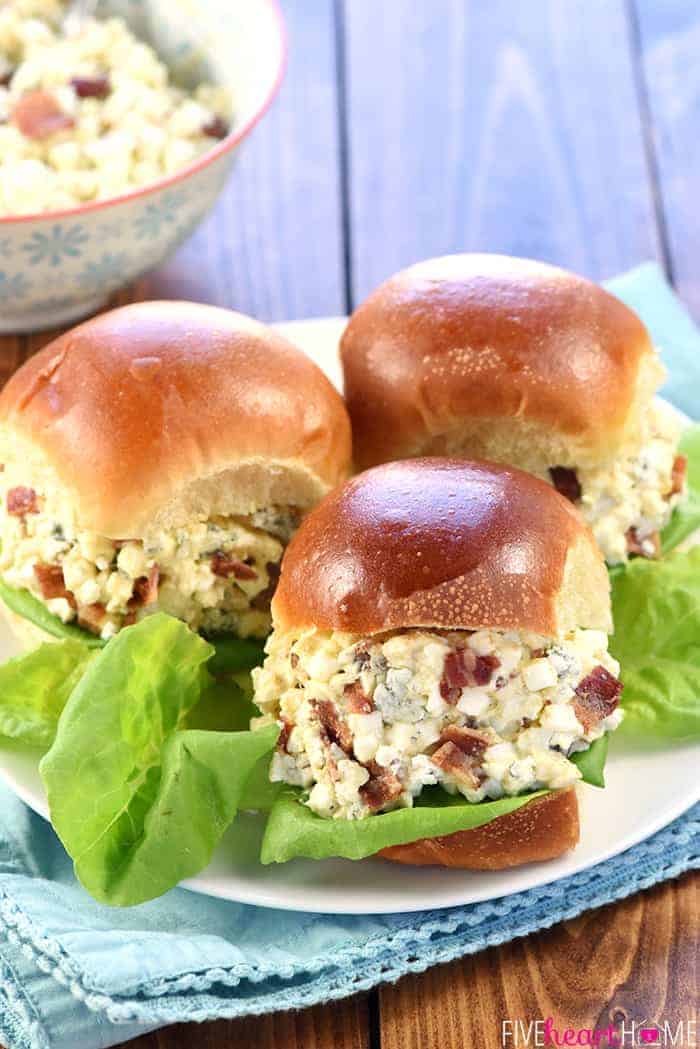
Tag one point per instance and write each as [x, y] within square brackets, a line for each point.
[339, 1025]
[632, 961]
[480, 127]
[273, 245]
[669, 34]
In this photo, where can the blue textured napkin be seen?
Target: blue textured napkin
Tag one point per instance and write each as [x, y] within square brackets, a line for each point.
[77, 975]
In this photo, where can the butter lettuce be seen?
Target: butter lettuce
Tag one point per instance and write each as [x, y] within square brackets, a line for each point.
[294, 830]
[656, 609]
[34, 689]
[138, 799]
[686, 518]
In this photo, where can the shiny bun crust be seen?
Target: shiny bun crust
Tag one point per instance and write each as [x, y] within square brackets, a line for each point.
[540, 830]
[495, 357]
[445, 544]
[161, 411]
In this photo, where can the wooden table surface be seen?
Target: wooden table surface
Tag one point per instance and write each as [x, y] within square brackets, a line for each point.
[561, 129]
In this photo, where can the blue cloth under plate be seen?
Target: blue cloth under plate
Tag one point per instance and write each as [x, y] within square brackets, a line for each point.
[77, 975]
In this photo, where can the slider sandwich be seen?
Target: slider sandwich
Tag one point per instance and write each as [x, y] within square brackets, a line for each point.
[486, 356]
[441, 625]
[159, 458]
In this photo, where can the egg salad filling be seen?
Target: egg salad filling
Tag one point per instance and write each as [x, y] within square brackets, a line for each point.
[217, 575]
[628, 501]
[367, 723]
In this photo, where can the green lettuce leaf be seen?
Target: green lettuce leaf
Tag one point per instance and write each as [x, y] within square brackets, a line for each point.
[35, 687]
[139, 800]
[294, 830]
[233, 654]
[686, 517]
[591, 762]
[24, 604]
[656, 609]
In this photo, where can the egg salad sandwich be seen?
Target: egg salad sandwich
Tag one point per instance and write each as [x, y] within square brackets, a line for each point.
[159, 458]
[515, 361]
[438, 669]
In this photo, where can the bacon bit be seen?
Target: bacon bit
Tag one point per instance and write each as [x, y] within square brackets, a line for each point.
[463, 668]
[635, 545]
[678, 472]
[294, 660]
[357, 699]
[597, 696]
[145, 590]
[130, 618]
[463, 766]
[566, 482]
[92, 617]
[285, 733]
[216, 128]
[91, 86]
[261, 601]
[38, 115]
[382, 787]
[334, 727]
[52, 584]
[5, 78]
[468, 740]
[21, 501]
[225, 566]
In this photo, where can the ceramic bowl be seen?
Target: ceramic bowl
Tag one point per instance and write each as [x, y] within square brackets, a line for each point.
[60, 266]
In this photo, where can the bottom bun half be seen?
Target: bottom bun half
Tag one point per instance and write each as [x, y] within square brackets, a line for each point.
[541, 830]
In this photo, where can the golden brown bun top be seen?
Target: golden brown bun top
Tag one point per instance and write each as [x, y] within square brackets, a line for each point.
[443, 543]
[479, 337]
[133, 408]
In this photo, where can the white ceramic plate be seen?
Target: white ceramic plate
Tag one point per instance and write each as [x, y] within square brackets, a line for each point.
[645, 791]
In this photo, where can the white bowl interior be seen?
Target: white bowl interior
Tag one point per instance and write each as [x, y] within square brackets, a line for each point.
[236, 43]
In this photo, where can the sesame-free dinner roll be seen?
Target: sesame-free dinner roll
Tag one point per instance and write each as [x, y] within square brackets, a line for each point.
[519, 362]
[161, 456]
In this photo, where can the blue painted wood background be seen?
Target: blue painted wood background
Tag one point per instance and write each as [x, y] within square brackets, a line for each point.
[568, 130]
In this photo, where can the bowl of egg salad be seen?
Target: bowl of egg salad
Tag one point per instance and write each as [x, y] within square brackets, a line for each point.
[116, 137]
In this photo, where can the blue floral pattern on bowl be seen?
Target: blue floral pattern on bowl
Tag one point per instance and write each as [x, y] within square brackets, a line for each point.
[55, 268]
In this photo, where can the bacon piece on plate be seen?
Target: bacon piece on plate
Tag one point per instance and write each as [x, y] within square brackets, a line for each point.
[21, 501]
[382, 787]
[225, 566]
[597, 695]
[336, 730]
[357, 699]
[680, 467]
[51, 582]
[566, 482]
[465, 669]
[38, 115]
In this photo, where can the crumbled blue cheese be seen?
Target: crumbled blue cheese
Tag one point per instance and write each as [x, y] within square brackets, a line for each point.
[524, 712]
[632, 491]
